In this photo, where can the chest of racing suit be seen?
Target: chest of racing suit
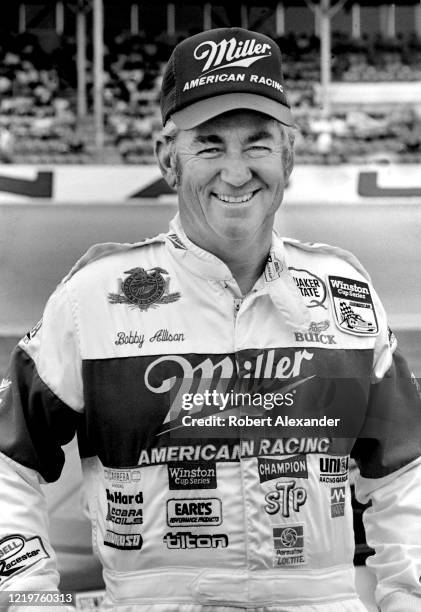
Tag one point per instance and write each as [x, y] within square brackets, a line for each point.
[215, 429]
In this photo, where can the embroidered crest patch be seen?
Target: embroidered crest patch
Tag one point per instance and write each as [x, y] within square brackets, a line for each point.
[144, 289]
[353, 306]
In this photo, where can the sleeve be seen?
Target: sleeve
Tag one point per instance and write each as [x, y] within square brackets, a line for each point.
[40, 406]
[388, 454]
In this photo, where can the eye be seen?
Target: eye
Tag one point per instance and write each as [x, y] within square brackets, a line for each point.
[209, 152]
[258, 150]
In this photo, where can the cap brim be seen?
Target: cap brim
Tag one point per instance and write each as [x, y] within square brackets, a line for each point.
[199, 112]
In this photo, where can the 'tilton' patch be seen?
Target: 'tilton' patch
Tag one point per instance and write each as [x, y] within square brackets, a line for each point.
[353, 306]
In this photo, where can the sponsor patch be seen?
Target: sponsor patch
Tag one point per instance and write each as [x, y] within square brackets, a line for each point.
[123, 541]
[204, 456]
[230, 53]
[176, 242]
[215, 369]
[270, 469]
[124, 509]
[273, 268]
[198, 512]
[286, 498]
[353, 306]
[31, 334]
[144, 289]
[288, 542]
[18, 553]
[192, 475]
[314, 333]
[122, 476]
[186, 539]
[89, 600]
[334, 469]
[337, 502]
[311, 286]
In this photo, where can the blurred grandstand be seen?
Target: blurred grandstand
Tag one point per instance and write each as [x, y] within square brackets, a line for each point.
[41, 120]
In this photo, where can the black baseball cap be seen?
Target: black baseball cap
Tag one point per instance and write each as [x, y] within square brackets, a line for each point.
[222, 70]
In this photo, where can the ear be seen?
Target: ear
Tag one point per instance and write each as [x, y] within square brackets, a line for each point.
[165, 158]
[288, 163]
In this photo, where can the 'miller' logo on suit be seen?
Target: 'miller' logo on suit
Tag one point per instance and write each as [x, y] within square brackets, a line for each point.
[234, 52]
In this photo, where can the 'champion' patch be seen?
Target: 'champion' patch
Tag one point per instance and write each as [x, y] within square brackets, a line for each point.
[353, 306]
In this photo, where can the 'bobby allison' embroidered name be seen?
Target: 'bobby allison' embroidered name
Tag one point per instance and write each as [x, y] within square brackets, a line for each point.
[234, 52]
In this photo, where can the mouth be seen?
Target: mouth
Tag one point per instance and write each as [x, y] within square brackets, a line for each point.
[230, 199]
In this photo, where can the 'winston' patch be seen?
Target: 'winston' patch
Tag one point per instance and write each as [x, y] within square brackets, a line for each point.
[353, 306]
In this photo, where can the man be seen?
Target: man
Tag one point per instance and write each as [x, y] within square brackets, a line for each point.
[175, 358]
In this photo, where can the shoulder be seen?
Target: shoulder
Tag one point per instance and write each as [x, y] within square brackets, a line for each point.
[325, 258]
[110, 257]
[332, 279]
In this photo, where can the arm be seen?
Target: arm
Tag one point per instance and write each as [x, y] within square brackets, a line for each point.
[40, 405]
[393, 529]
[388, 454]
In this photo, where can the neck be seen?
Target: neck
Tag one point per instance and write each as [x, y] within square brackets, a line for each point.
[246, 259]
[247, 269]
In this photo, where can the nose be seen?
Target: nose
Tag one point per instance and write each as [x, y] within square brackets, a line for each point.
[236, 171]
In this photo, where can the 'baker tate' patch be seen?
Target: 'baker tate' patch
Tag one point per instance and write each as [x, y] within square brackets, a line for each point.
[353, 306]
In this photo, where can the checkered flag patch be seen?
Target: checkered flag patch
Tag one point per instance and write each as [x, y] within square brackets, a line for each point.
[346, 311]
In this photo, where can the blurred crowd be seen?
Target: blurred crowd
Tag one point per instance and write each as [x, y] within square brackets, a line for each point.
[38, 121]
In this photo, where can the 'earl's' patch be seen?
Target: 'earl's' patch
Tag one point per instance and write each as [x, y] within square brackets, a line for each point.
[353, 306]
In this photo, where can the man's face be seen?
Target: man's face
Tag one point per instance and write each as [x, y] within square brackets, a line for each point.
[231, 178]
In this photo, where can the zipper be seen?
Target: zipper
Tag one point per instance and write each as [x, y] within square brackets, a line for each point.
[237, 305]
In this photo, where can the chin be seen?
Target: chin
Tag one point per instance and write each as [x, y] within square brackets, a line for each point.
[236, 233]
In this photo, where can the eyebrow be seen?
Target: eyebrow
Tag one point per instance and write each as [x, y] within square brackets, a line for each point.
[215, 139]
[207, 139]
[260, 135]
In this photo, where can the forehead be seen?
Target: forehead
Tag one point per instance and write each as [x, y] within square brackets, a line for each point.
[246, 125]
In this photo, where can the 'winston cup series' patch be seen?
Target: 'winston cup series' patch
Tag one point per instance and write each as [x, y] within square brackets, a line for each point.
[353, 306]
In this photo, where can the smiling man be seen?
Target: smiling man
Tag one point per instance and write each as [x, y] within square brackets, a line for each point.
[230, 176]
[241, 515]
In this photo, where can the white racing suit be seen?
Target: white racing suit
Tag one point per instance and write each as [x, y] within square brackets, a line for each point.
[249, 507]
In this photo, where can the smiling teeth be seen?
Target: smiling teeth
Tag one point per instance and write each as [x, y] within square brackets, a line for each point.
[235, 200]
